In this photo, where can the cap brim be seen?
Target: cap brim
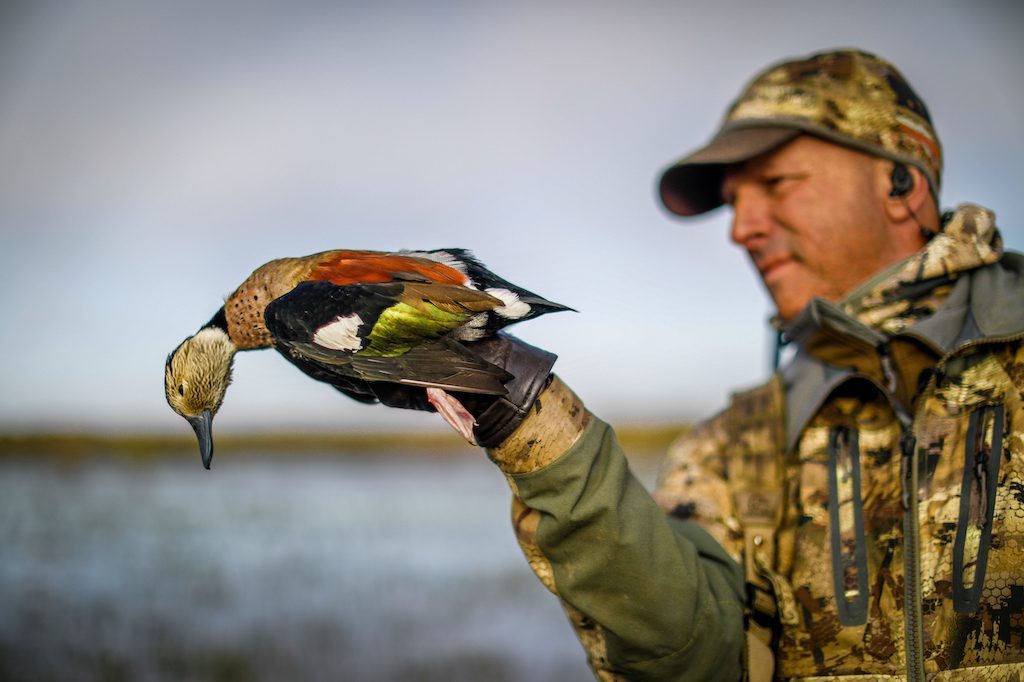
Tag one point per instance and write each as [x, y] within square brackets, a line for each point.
[693, 185]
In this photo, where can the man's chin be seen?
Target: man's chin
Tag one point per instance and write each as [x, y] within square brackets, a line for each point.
[788, 307]
[792, 286]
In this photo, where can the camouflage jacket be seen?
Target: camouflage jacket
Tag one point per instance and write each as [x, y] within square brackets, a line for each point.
[874, 490]
[885, 493]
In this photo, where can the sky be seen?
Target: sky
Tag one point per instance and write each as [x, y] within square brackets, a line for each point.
[152, 154]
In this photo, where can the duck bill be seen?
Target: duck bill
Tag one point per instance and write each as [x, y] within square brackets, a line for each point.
[203, 426]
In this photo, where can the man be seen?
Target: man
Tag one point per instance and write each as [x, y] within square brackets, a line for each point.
[862, 514]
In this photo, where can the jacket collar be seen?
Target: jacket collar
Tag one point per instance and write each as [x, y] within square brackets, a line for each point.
[959, 288]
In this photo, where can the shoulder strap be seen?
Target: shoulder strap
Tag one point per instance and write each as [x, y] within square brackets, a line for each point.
[756, 426]
[757, 430]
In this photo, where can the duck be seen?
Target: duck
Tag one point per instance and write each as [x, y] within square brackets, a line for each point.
[353, 319]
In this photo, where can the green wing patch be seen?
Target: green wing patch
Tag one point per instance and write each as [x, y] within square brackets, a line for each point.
[424, 312]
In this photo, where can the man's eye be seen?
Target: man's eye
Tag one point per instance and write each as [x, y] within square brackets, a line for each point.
[775, 182]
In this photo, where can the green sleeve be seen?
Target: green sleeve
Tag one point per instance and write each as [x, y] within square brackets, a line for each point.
[667, 596]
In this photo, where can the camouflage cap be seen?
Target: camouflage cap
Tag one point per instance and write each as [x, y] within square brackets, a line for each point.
[845, 96]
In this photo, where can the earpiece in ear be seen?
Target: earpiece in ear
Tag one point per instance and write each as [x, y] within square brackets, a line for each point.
[902, 180]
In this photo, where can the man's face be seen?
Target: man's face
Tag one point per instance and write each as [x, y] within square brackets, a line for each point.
[811, 215]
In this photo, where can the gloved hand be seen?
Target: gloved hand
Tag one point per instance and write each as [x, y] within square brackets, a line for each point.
[496, 416]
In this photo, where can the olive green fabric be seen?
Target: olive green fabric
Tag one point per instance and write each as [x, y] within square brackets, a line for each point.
[655, 585]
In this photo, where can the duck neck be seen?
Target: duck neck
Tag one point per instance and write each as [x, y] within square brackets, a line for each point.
[218, 324]
[219, 321]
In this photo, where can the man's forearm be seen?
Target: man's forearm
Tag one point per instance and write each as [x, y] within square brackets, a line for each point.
[556, 420]
[665, 598]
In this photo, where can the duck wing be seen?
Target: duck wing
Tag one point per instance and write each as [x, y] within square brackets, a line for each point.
[394, 331]
[444, 364]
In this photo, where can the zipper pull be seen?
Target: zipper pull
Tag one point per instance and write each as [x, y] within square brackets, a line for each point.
[981, 479]
[981, 463]
[907, 445]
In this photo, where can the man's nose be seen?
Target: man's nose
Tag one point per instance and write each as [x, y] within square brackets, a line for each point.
[749, 216]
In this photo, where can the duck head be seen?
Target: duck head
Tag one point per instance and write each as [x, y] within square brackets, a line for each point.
[196, 378]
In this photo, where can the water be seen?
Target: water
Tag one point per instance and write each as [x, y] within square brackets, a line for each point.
[270, 568]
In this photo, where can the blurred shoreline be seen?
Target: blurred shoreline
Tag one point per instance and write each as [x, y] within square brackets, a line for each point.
[639, 440]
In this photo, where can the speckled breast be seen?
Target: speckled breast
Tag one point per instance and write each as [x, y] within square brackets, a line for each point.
[244, 308]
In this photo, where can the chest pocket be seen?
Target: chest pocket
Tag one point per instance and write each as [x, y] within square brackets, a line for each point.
[975, 518]
[982, 455]
[846, 520]
[848, 534]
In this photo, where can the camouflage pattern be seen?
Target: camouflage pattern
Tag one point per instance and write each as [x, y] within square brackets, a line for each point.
[837, 565]
[591, 636]
[889, 302]
[536, 443]
[850, 97]
[626, 578]
[539, 441]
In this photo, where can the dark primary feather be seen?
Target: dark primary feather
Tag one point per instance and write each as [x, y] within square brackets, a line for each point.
[353, 388]
[443, 363]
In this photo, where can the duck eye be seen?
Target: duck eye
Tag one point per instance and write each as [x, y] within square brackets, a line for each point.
[181, 390]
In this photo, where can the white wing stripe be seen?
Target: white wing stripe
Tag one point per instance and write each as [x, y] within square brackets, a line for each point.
[513, 309]
[340, 334]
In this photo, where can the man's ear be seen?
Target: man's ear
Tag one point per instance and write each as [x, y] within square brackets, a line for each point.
[908, 192]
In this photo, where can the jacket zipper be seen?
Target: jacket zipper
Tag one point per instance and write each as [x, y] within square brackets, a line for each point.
[911, 559]
[912, 617]
[913, 626]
